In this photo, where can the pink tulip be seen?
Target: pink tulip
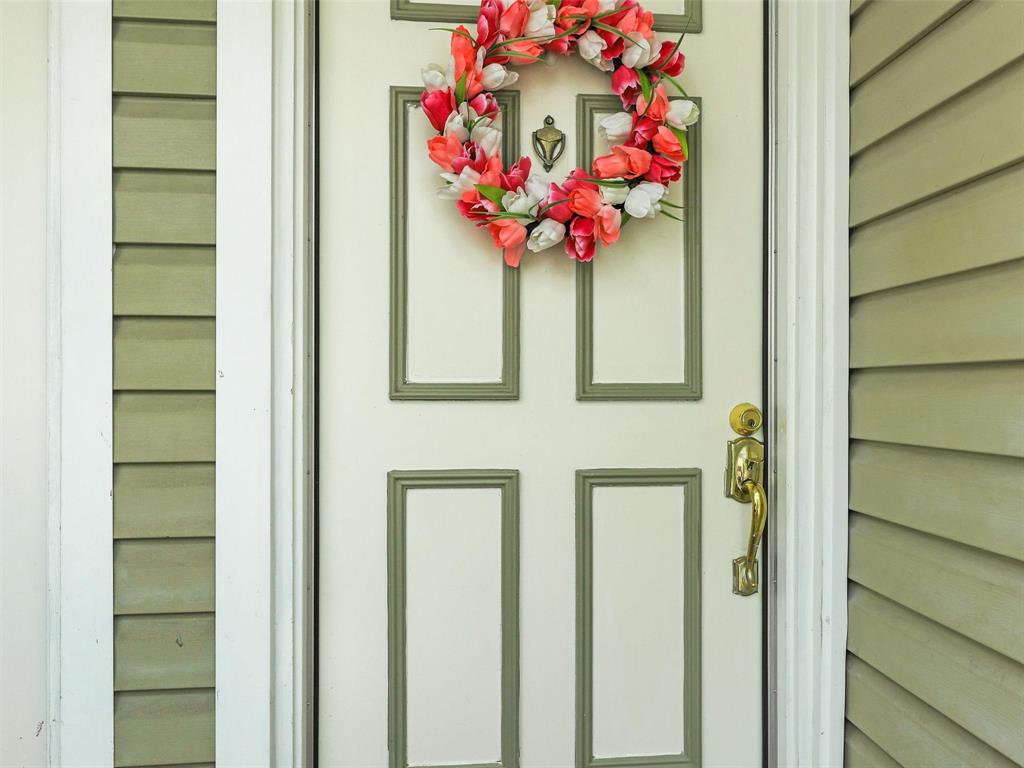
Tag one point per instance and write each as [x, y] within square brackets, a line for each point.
[628, 162]
[509, 235]
[559, 212]
[657, 108]
[585, 202]
[485, 105]
[516, 176]
[666, 143]
[513, 19]
[643, 132]
[606, 224]
[443, 150]
[626, 84]
[437, 105]
[580, 243]
[487, 22]
[663, 170]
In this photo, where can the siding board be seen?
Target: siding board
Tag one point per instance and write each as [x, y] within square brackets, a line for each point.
[158, 58]
[163, 427]
[163, 576]
[965, 318]
[177, 134]
[928, 75]
[163, 500]
[976, 408]
[162, 728]
[974, 226]
[164, 353]
[164, 652]
[978, 133]
[166, 10]
[885, 28]
[971, 498]
[164, 280]
[977, 688]
[978, 594]
[908, 729]
[174, 207]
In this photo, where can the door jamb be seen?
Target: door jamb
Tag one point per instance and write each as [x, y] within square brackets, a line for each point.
[808, 354]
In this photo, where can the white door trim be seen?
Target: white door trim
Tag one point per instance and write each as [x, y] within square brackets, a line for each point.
[79, 374]
[264, 400]
[809, 44]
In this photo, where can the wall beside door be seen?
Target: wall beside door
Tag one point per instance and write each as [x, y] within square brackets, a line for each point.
[24, 731]
[936, 593]
[164, 147]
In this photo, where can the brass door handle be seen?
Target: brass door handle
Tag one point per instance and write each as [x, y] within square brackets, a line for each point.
[743, 482]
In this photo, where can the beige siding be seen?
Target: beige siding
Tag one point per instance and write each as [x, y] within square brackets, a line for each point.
[935, 673]
[164, 150]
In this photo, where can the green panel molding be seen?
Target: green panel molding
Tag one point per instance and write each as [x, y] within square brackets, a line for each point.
[507, 388]
[586, 481]
[587, 106]
[407, 10]
[399, 482]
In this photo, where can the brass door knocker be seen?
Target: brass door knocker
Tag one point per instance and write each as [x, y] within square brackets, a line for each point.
[548, 143]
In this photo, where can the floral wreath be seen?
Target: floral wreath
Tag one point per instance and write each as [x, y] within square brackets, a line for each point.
[521, 210]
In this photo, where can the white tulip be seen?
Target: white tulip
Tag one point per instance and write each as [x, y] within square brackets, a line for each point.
[487, 138]
[455, 126]
[434, 77]
[637, 53]
[617, 127]
[536, 187]
[590, 46]
[681, 113]
[496, 77]
[614, 195]
[519, 201]
[541, 22]
[606, 5]
[642, 200]
[549, 232]
[458, 183]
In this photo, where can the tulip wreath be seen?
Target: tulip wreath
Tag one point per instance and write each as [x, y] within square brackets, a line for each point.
[521, 210]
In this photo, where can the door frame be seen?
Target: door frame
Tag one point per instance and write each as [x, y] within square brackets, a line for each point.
[266, 414]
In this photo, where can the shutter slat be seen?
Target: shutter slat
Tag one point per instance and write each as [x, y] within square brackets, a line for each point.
[977, 688]
[974, 226]
[909, 730]
[862, 752]
[966, 318]
[976, 408]
[929, 74]
[164, 280]
[971, 498]
[168, 10]
[978, 594]
[978, 133]
[173, 207]
[178, 134]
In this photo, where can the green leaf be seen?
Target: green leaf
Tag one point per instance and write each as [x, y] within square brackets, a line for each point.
[675, 83]
[604, 182]
[625, 219]
[684, 143]
[460, 89]
[613, 30]
[672, 205]
[551, 205]
[671, 216]
[454, 31]
[494, 194]
[645, 85]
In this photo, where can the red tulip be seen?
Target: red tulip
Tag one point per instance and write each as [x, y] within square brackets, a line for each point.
[487, 22]
[626, 84]
[437, 105]
[658, 106]
[585, 202]
[643, 132]
[628, 162]
[513, 19]
[443, 150]
[670, 66]
[663, 170]
[606, 224]
[580, 243]
[667, 143]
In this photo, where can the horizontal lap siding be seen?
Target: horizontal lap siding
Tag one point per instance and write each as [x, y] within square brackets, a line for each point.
[935, 673]
[164, 149]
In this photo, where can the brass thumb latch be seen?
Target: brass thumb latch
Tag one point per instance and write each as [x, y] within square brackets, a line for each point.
[744, 481]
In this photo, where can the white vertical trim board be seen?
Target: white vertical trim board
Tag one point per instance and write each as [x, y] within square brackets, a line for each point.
[244, 383]
[809, 59]
[80, 397]
[292, 375]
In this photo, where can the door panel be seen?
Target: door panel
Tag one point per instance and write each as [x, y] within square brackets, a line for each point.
[601, 392]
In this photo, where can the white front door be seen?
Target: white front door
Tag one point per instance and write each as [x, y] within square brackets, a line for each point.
[525, 550]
